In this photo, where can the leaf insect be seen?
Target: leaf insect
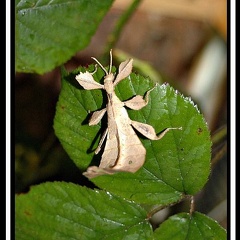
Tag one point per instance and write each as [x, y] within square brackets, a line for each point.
[123, 149]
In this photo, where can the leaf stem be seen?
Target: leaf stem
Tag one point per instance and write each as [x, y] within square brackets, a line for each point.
[219, 155]
[219, 144]
[160, 207]
[114, 35]
[192, 205]
[219, 135]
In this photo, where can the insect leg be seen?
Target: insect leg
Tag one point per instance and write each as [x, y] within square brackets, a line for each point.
[138, 101]
[101, 141]
[148, 131]
[97, 116]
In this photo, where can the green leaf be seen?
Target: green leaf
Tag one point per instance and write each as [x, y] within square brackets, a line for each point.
[48, 33]
[71, 119]
[184, 226]
[67, 211]
[175, 165]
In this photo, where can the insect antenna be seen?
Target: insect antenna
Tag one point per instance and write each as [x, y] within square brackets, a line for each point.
[110, 67]
[100, 65]
[104, 69]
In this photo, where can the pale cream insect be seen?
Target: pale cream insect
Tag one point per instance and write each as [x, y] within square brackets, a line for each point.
[123, 149]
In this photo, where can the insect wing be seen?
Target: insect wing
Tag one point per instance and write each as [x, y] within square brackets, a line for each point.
[111, 151]
[131, 151]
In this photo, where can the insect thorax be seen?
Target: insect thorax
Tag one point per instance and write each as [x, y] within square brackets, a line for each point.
[108, 83]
